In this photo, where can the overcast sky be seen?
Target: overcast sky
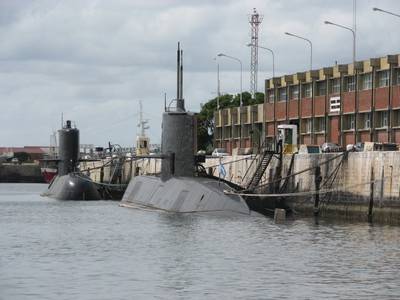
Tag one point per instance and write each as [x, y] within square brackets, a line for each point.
[94, 60]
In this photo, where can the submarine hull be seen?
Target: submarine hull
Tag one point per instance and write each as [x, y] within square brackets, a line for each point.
[183, 195]
[72, 187]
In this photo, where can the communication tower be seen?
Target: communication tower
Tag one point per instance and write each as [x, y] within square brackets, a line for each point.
[255, 20]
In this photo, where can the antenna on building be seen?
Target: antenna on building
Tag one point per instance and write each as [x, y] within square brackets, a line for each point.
[255, 20]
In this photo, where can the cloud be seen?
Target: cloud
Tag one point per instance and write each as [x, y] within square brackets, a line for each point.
[94, 60]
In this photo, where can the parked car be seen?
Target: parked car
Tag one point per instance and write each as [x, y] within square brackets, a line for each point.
[330, 147]
[219, 152]
[201, 152]
[358, 147]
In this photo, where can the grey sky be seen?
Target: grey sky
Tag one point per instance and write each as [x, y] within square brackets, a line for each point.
[93, 60]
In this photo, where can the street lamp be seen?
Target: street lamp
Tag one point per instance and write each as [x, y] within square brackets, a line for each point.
[273, 56]
[352, 31]
[385, 11]
[307, 40]
[241, 91]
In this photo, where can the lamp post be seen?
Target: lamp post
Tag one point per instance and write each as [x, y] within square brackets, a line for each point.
[273, 56]
[352, 31]
[385, 11]
[304, 39]
[241, 91]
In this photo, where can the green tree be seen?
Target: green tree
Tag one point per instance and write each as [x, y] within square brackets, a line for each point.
[22, 156]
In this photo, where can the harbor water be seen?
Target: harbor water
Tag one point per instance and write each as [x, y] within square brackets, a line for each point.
[54, 249]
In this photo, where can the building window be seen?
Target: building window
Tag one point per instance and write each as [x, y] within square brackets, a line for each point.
[319, 124]
[282, 94]
[306, 125]
[396, 118]
[307, 90]
[381, 119]
[349, 84]
[364, 121]
[348, 122]
[396, 76]
[294, 92]
[271, 95]
[335, 86]
[366, 81]
[352, 122]
[320, 88]
[382, 78]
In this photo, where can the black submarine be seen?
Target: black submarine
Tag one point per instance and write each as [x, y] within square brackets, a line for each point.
[181, 187]
[70, 183]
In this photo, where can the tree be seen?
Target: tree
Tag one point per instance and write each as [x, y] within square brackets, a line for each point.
[22, 156]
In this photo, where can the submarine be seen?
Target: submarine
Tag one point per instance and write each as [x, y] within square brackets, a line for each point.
[70, 183]
[182, 187]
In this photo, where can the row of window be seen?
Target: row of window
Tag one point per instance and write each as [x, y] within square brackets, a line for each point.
[364, 121]
[364, 83]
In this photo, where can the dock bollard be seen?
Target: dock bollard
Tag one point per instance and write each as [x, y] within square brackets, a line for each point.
[279, 215]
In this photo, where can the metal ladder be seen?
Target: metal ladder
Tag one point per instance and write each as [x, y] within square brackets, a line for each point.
[262, 165]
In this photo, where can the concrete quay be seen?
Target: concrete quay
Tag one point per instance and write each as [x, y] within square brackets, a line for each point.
[359, 186]
[109, 171]
[24, 173]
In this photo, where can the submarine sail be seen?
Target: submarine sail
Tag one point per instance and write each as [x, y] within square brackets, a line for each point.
[70, 184]
[180, 188]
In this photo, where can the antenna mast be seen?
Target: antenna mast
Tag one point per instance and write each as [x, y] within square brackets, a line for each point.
[180, 103]
[142, 123]
[255, 20]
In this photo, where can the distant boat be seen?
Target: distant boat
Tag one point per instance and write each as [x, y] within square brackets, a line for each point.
[49, 173]
[49, 167]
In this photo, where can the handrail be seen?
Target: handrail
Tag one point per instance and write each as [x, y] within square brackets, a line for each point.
[261, 148]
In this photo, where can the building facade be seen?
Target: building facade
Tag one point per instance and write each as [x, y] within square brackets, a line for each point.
[343, 104]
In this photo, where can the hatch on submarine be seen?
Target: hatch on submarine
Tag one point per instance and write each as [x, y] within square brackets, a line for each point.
[70, 183]
[181, 187]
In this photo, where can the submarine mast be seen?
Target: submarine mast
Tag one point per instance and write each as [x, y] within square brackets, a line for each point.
[179, 132]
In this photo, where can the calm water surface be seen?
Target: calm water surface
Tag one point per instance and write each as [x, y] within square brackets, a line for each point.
[97, 250]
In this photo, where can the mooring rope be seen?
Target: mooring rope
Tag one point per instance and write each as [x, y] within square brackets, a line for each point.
[102, 184]
[308, 193]
[299, 172]
[232, 162]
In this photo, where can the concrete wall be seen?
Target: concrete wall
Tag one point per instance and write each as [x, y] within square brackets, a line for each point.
[350, 193]
[130, 168]
[20, 173]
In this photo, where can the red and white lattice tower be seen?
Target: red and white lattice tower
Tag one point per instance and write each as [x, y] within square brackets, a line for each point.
[255, 21]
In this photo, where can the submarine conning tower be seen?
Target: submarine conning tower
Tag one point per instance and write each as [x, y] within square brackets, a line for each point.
[179, 136]
[68, 149]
